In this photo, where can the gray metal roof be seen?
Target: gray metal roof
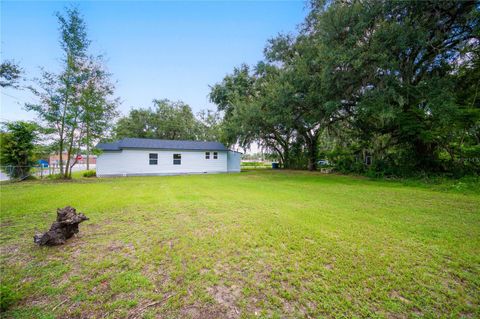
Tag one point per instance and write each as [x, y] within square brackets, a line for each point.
[145, 143]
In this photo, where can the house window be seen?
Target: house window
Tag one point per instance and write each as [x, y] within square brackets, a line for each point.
[153, 158]
[207, 155]
[177, 159]
[215, 155]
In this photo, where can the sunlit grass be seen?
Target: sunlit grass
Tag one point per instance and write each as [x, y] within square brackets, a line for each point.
[257, 244]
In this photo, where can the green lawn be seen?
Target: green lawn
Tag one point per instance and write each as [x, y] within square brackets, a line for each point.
[257, 244]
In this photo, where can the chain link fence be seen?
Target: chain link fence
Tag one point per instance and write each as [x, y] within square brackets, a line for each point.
[20, 173]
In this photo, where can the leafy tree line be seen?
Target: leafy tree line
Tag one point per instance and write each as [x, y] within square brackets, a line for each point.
[169, 120]
[392, 81]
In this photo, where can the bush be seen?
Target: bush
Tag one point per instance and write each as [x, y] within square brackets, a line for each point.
[90, 173]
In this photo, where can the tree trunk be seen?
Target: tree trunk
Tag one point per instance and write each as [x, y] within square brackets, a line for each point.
[68, 172]
[88, 150]
[312, 152]
[312, 160]
[286, 158]
[65, 175]
[60, 158]
[425, 155]
[68, 169]
[62, 130]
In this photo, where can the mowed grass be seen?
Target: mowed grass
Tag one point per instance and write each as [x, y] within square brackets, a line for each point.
[273, 244]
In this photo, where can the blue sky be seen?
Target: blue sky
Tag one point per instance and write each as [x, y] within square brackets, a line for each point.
[154, 49]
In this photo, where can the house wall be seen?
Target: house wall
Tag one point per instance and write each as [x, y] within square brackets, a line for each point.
[136, 162]
[233, 161]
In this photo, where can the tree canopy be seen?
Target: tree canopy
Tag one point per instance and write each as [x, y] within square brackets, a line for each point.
[393, 81]
[77, 104]
[168, 120]
[10, 73]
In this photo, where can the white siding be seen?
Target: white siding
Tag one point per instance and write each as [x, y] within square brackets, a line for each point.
[233, 164]
[136, 162]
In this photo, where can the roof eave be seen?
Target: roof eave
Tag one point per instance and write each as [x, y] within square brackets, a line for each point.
[176, 149]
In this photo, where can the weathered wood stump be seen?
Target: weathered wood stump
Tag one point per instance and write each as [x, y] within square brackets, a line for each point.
[61, 230]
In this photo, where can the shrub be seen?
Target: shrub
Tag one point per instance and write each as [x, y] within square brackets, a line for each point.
[17, 145]
[90, 173]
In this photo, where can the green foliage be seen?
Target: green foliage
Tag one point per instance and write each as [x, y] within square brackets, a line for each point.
[10, 73]
[256, 165]
[54, 176]
[89, 173]
[396, 82]
[260, 156]
[401, 75]
[168, 120]
[251, 114]
[239, 85]
[209, 128]
[17, 144]
[76, 105]
[252, 163]
[98, 107]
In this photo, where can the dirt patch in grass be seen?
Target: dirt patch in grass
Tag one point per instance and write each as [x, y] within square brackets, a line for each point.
[329, 266]
[128, 249]
[227, 297]
[9, 249]
[396, 295]
[6, 223]
[158, 275]
[202, 312]
[141, 308]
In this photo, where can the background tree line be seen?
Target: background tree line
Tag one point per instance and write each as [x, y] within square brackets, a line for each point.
[393, 81]
[169, 120]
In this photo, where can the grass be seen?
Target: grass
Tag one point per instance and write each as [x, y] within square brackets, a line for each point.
[262, 243]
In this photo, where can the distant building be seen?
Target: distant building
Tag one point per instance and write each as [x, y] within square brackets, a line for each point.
[54, 159]
[136, 156]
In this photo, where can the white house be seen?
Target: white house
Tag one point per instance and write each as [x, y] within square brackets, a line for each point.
[138, 156]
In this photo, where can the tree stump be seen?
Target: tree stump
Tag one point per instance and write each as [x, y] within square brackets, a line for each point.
[61, 230]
